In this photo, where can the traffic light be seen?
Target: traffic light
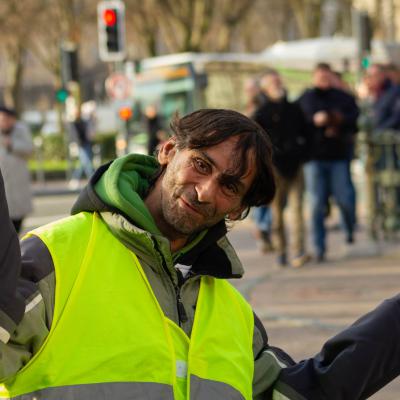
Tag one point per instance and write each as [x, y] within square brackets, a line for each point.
[365, 32]
[111, 29]
[362, 31]
[62, 95]
[69, 63]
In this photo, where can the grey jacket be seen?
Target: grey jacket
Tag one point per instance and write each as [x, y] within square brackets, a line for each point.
[13, 165]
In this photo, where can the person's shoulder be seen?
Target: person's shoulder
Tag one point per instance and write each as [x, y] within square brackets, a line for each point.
[68, 225]
[340, 93]
[294, 104]
[393, 90]
[261, 107]
[37, 262]
[259, 111]
[307, 93]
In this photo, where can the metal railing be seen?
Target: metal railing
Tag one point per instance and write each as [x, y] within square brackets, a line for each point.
[380, 153]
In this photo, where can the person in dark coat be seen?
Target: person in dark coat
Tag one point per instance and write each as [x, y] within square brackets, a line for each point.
[386, 99]
[262, 215]
[380, 120]
[81, 134]
[153, 126]
[285, 124]
[332, 116]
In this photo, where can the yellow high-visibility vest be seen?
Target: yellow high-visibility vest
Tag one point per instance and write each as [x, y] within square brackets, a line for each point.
[110, 339]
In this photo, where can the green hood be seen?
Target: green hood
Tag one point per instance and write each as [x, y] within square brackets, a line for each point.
[124, 184]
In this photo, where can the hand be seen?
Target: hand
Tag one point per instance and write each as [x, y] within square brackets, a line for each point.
[320, 118]
[331, 132]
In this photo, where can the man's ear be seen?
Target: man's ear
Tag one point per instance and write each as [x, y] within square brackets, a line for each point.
[167, 151]
[237, 213]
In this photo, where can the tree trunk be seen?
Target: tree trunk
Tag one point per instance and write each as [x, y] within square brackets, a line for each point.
[13, 90]
[307, 15]
[377, 19]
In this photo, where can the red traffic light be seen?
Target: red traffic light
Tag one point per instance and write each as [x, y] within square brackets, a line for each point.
[110, 17]
[111, 30]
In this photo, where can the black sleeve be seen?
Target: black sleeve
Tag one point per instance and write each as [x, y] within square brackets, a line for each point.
[12, 306]
[351, 112]
[354, 364]
[304, 133]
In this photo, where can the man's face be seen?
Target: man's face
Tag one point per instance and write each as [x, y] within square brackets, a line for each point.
[198, 190]
[272, 86]
[251, 89]
[6, 121]
[375, 77]
[322, 79]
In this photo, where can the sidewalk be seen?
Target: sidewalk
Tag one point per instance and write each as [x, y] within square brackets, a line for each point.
[54, 187]
[302, 308]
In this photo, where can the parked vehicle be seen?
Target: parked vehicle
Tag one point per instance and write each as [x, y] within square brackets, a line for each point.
[188, 81]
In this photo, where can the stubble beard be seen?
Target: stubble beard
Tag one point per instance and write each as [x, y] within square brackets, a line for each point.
[183, 223]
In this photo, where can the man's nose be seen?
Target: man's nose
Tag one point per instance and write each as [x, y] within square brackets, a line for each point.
[206, 190]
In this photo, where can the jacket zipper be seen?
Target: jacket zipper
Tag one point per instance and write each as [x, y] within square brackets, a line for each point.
[182, 316]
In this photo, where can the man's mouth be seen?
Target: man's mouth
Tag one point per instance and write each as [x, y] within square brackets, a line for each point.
[190, 206]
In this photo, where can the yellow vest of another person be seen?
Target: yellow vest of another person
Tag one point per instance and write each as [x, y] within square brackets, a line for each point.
[109, 338]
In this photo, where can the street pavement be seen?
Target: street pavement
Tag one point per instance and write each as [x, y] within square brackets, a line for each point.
[301, 308]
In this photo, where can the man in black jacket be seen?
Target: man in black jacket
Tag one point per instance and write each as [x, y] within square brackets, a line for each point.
[332, 116]
[286, 126]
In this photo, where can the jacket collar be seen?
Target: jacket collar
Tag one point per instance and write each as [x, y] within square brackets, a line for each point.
[213, 255]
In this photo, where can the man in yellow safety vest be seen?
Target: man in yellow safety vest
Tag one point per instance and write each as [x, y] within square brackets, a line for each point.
[128, 299]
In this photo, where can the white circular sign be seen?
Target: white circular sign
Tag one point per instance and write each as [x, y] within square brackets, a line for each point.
[118, 86]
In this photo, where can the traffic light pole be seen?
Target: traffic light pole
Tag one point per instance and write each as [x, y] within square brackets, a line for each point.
[362, 31]
[70, 81]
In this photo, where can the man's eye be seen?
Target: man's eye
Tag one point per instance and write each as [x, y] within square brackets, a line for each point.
[200, 165]
[231, 188]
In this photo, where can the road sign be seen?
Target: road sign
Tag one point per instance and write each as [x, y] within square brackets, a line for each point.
[119, 86]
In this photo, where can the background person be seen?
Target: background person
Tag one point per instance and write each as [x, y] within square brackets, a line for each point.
[380, 120]
[153, 126]
[385, 96]
[339, 83]
[15, 148]
[332, 117]
[81, 134]
[285, 123]
[261, 215]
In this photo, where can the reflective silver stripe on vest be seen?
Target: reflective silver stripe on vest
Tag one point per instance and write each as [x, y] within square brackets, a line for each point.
[103, 391]
[204, 389]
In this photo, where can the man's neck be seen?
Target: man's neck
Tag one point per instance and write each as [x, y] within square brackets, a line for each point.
[275, 98]
[6, 131]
